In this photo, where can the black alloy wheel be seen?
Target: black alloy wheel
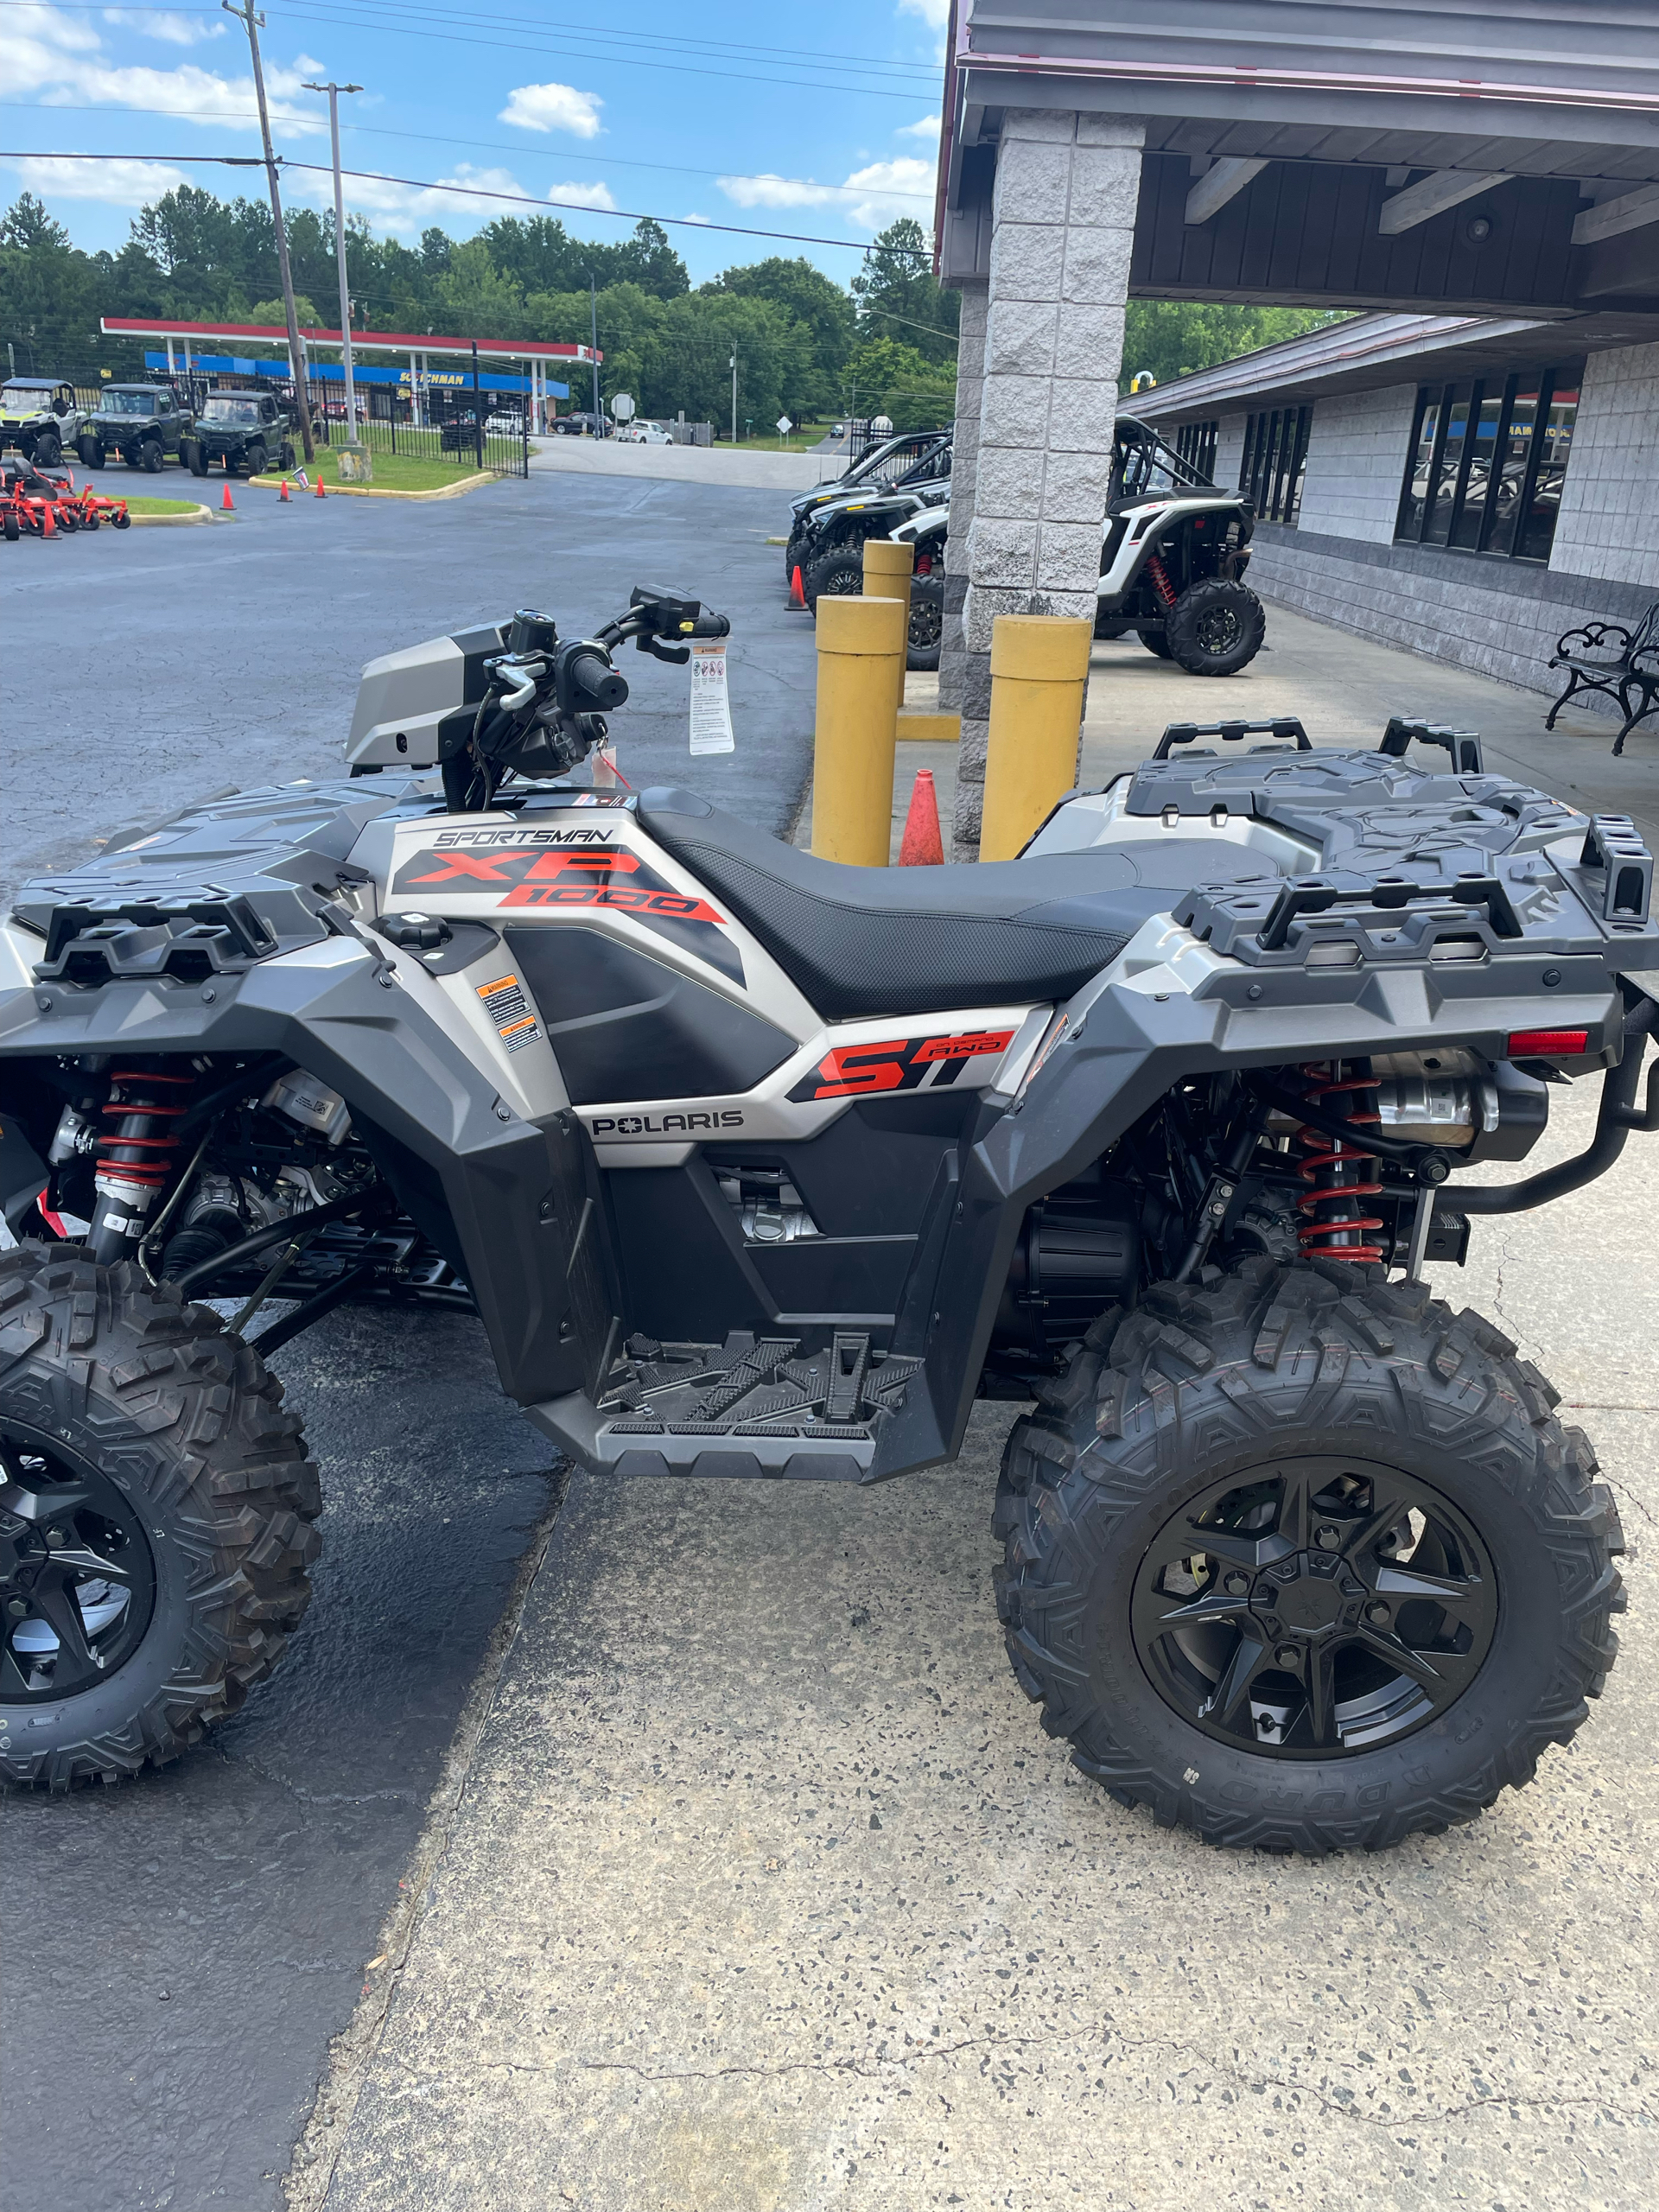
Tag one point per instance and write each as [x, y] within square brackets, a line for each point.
[839, 574]
[927, 622]
[76, 1574]
[255, 460]
[1216, 628]
[1315, 1609]
[151, 458]
[48, 450]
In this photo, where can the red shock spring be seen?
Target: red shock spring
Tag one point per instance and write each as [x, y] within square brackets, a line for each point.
[136, 1157]
[1160, 582]
[1337, 1171]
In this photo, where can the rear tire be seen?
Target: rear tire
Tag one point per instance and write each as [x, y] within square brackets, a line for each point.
[927, 622]
[91, 452]
[1216, 628]
[181, 1475]
[256, 461]
[1155, 642]
[191, 455]
[12, 531]
[285, 458]
[1221, 1391]
[48, 450]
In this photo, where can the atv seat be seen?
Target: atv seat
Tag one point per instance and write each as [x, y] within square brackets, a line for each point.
[861, 941]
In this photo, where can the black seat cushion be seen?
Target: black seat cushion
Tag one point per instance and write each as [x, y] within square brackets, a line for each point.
[878, 941]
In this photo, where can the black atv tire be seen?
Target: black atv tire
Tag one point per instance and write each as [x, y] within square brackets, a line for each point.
[927, 622]
[1155, 642]
[793, 553]
[91, 451]
[48, 450]
[177, 1429]
[285, 458]
[132, 456]
[1216, 628]
[191, 455]
[256, 459]
[152, 458]
[838, 574]
[1229, 1385]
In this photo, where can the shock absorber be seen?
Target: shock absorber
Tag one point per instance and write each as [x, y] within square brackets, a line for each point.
[1338, 1170]
[1160, 582]
[137, 1153]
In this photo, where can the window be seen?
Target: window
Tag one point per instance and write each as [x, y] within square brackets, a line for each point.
[1196, 444]
[1275, 461]
[1487, 461]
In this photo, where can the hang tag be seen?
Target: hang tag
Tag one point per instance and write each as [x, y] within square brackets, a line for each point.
[602, 761]
[711, 706]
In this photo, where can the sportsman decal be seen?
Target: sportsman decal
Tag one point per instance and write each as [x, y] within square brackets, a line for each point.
[540, 876]
[899, 1064]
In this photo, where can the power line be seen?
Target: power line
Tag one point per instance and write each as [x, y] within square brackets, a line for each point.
[456, 191]
[477, 145]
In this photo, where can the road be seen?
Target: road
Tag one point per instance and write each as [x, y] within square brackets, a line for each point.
[178, 1952]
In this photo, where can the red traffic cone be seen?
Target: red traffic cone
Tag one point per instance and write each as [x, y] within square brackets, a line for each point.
[923, 846]
[320, 493]
[283, 500]
[48, 527]
[227, 505]
[796, 596]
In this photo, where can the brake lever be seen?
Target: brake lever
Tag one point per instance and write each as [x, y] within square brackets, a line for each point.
[653, 645]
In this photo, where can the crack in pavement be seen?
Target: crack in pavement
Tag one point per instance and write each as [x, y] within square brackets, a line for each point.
[318, 1799]
[1641, 2115]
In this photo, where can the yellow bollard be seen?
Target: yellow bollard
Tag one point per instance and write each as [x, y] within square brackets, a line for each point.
[861, 678]
[888, 569]
[1039, 666]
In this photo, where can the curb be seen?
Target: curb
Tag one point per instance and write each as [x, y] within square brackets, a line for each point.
[172, 522]
[376, 492]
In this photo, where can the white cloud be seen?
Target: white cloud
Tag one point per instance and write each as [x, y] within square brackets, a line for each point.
[587, 192]
[173, 29]
[553, 107]
[871, 198]
[387, 205]
[928, 127]
[694, 219]
[936, 13]
[118, 184]
[62, 62]
[39, 46]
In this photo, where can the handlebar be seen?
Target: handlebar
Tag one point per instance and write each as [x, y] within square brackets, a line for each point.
[592, 676]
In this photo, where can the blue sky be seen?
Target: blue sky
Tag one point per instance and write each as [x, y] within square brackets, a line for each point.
[792, 119]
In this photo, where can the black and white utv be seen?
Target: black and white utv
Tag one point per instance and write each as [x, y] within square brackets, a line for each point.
[1172, 558]
[891, 481]
[760, 1166]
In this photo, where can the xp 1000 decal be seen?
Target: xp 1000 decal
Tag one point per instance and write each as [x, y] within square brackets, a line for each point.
[533, 871]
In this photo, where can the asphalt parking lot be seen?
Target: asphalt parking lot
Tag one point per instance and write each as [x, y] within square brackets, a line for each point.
[740, 1877]
[178, 1953]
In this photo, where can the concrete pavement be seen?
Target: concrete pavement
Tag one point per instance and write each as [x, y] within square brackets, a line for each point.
[728, 466]
[765, 1893]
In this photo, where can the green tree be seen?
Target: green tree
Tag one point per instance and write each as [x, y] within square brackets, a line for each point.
[897, 294]
[473, 299]
[1175, 338]
[48, 292]
[274, 311]
[809, 298]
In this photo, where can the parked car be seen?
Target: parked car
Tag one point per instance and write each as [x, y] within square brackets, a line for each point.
[141, 424]
[503, 426]
[244, 430]
[40, 416]
[645, 433]
[582, 425]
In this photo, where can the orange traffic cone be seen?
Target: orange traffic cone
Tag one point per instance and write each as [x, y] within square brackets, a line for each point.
[227, 505]
[923, 846]
[283, 500]
[320, 493]
[48, 527]
[796, 596]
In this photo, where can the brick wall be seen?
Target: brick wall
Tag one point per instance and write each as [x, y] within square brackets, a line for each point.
[1609, 524]
[1356, 463]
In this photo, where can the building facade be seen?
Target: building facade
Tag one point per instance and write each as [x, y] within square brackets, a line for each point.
[1469, 489]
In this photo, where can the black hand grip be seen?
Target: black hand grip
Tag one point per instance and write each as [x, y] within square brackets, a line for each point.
[708, 625]
[595, 679]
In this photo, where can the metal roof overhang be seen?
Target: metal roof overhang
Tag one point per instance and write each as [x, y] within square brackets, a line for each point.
[1371, 352]
[1563, 89]
[517, 349]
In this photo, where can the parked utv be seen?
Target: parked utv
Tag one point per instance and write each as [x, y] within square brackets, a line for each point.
[141, 423]
[758, 1165]
[915, 459]
[1173, 557]
[245, 431]
[40, 416]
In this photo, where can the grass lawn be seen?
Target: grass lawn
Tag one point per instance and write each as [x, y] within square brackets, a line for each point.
[160, 506]
[800, 438]
[392, 472]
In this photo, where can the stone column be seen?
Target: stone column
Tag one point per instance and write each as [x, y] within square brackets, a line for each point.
[964, 468]
[1063, 223]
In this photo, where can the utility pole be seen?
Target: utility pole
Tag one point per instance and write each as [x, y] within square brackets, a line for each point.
[593, 305]
[334, 91]
[251, 23]
[733, 395]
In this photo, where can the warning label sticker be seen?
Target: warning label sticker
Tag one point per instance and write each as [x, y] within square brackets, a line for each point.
[511, 1011]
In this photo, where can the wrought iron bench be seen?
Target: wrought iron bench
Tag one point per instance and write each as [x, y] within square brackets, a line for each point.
[1605, 657]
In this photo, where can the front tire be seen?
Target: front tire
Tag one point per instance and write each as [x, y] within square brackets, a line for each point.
[156, 1524]
[48, 450]
[151, 459]
[1216, 628]
[839, 574]
[927, 622]
[1302, 1561]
